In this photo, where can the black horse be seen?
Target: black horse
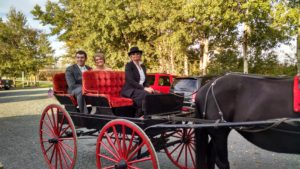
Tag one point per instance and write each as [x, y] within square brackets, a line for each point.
[239, 98]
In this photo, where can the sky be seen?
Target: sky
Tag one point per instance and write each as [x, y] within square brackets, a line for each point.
[25, 6]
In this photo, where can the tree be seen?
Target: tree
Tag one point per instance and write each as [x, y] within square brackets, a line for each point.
[22, 48]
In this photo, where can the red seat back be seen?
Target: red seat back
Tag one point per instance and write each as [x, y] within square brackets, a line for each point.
[60, 84]
[103, 82]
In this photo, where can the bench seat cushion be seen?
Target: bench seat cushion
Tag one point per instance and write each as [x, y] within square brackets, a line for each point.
[113, 100]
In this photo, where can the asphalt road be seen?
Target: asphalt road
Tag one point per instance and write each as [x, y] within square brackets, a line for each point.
[19, 143]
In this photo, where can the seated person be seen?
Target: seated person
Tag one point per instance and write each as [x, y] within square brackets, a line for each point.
[136, 86]
[74, 79]
[99, 59]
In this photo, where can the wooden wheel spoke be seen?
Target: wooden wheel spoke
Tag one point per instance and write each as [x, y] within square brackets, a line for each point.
[140, 160]
[56, 156]
[133, 167]
[185, 157]
[124, 140]
[108, 149]
[136, 150]
[192, 146]
[180, 153]
[192, 156]
[49, 128]
[108, 158]
[53, 117]
[67, 146]
[193, 132]
[61, 123]
[49, 135]
[109, 167]
[52, 154]
[111, 144]
[59, 156]
[66, 153]
[130, 143]
[49, 147]
[180, 137]
[176, 148]
[64, 158]
[64, 130]
[50, 120]
[117, 139]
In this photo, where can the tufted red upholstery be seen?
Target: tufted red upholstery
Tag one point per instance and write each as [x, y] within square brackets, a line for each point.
[60, 87]
[106, 84]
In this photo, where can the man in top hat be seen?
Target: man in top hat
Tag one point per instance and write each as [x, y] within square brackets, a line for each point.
[136, 86]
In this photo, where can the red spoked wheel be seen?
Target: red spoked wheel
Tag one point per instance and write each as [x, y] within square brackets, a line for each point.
[58, 138]
[122, 144]
[181, 148]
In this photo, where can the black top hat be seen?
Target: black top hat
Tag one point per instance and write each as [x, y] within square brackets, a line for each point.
[134, 50]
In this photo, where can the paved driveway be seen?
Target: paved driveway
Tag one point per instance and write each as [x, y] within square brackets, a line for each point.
[19, 145]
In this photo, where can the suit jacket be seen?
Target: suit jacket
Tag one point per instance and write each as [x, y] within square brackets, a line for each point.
[74, 77]
[132, 79]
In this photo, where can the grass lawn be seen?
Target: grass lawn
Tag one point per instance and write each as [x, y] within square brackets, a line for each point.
[40, 84]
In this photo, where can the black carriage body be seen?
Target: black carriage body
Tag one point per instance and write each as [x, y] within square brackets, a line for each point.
[155, 105]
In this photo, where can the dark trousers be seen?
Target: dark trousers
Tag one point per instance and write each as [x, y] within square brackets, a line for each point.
[138, 96]
[77, 92]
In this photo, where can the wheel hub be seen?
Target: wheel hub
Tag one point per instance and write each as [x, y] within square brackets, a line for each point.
[121, 165]
[186, 140]
[53, 140]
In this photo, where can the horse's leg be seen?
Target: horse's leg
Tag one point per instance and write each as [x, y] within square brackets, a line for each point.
[220, 140]
[211, 155]
[201, 148]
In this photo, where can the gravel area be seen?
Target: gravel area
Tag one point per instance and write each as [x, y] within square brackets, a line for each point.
[19, 145]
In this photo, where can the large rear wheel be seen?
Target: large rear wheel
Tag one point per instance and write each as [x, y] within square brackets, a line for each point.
[122, 144]
[58, 138]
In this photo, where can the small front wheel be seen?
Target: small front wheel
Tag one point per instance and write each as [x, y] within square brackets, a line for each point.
[122, 144]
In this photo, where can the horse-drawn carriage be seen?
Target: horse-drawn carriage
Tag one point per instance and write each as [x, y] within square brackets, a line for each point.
[126, 141]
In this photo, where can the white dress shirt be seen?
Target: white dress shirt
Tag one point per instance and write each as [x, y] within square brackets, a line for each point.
[82, 68]
[141, 72]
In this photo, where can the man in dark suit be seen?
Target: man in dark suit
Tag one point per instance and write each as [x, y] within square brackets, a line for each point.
[136, 86]
[74, 79]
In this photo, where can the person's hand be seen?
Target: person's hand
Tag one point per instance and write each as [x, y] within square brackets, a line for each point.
[149, 89]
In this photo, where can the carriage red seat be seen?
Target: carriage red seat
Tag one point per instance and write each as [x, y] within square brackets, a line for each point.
[60, 88]
[106, 84]
[296, 94]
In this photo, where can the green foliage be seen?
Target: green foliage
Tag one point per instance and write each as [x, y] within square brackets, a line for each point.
[171, 30]
[22, 48]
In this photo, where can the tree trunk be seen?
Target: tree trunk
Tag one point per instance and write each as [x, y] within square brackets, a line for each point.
[186, 66]
[245, 47]
[160, 58]
[201, 58]
[205, 56]
[298, 50]
[172, 61]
